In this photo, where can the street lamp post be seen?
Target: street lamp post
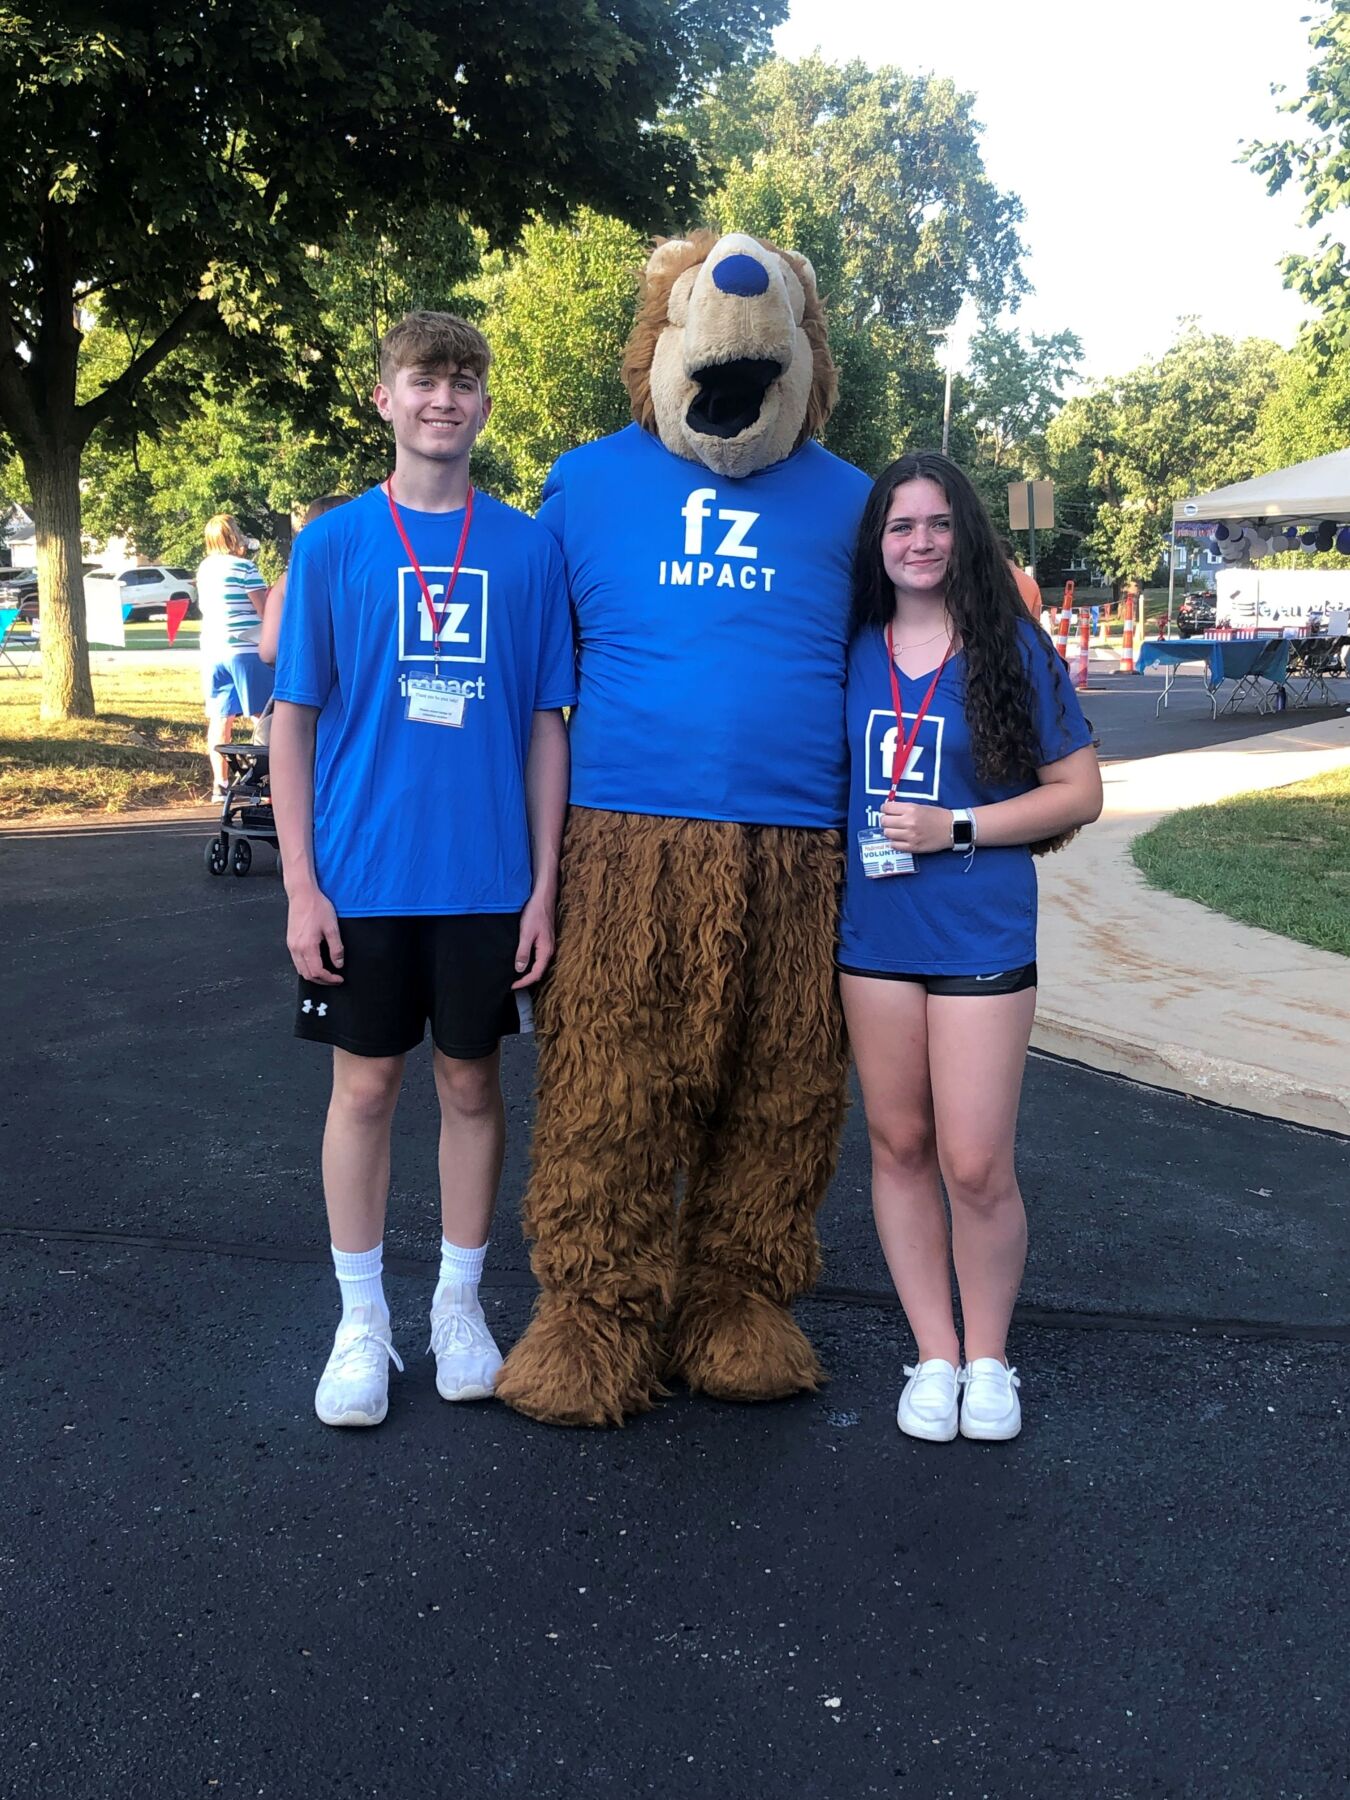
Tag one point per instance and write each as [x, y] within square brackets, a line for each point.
[944, 332]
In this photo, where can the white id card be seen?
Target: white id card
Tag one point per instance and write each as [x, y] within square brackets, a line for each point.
[881, 858]
[430, 704]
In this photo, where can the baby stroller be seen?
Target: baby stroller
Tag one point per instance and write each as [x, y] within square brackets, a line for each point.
[246, 811]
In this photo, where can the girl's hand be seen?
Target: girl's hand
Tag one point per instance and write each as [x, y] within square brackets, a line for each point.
[918, 829]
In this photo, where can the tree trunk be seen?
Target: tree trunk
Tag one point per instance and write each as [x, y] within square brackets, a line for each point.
[54, 477]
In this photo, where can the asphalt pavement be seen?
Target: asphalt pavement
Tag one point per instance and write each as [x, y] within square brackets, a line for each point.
[208, 1592]
[1123, 707]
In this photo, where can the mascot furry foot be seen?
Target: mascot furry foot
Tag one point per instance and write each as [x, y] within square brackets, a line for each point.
[582, 1364]
[739, 1346]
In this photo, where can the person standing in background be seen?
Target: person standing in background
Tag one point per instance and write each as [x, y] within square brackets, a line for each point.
[276, 596]
[231, 592]
[272, 609]
[1027, 585]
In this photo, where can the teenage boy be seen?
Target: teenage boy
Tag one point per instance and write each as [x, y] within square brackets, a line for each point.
[419, 777]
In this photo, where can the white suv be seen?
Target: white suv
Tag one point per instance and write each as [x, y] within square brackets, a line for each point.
[148, 589]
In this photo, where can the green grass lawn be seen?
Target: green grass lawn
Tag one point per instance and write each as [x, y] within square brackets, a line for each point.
[147, 747]
[1280, 860]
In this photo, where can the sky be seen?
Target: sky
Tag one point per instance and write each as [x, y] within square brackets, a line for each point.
[1118, 126]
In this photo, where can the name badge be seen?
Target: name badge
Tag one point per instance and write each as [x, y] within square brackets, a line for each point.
[429, 704]
[881, 858]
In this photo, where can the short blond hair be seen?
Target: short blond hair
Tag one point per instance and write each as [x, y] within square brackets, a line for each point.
[224, 536]
[434, 340]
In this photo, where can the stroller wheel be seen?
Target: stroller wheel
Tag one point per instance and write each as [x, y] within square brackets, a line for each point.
[217, 855]
[242, 859]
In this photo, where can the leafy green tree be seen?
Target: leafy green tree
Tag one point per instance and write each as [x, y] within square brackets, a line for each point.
[1320, 164]
[1183, 424]
[176, 168]
[1308, 413]
[263, 457]
[1017, 386]
[920, 224]
[1014, 388]
[877, 176]
[557, 315]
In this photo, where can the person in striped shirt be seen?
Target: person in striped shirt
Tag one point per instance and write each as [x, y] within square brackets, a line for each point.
[236, 682]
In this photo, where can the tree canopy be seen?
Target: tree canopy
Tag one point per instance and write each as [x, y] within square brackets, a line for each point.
[1176, 426]
[1320, 164]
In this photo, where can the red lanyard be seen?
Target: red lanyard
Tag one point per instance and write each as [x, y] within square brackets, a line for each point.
[437, 622]
[907, 741]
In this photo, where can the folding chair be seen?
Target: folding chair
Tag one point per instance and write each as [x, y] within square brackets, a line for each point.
[1312, 663]
[16, 636]
[1265, 675]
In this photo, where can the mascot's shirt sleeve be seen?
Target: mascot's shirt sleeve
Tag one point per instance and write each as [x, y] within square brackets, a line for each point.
[711, 623]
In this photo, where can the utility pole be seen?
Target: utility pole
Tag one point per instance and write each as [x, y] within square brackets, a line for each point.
[944, 332]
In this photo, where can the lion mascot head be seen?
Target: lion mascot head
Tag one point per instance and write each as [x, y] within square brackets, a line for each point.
[728, 362]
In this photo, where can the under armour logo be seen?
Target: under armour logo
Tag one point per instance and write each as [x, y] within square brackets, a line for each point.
[308, 1006]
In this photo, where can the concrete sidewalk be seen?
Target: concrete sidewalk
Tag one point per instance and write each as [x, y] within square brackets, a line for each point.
[1185, 998]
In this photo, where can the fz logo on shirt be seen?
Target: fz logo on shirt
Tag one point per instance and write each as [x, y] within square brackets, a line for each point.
[464, 622]
[923, 767]
[718, 548]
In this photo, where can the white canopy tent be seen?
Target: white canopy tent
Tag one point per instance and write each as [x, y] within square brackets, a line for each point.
[1304, 493]
[1317, 489]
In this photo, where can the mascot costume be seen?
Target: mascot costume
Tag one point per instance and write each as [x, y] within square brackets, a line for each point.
[690, 1028]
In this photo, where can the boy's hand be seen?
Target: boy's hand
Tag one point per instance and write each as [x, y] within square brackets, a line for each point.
[311, 923]
[918, 829]
[535, 950]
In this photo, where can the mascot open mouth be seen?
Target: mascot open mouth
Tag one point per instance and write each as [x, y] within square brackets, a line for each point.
[730, 396]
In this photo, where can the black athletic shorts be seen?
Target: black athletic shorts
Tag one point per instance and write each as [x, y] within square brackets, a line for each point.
[958, 987]
[399, 972]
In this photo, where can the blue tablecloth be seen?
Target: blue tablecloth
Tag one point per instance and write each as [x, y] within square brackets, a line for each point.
[1225, 659]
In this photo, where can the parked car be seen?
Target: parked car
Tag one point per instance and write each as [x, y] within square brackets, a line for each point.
[1196, 614]
[150, 589]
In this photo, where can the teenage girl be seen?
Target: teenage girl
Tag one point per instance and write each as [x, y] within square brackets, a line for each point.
[969, 751]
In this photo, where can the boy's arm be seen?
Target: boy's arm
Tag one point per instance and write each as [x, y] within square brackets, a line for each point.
[547, 771]
[270, 635]
[311, 921]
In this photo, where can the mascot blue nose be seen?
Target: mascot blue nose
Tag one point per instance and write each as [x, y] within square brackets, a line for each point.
[741, 275]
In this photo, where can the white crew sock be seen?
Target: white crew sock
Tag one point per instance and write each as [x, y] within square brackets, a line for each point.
[360, 1280]
[460, 1268]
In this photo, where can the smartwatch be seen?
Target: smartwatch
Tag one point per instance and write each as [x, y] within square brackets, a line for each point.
[963, 829]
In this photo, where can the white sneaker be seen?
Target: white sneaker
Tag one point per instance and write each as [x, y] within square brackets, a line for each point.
[928, 1402]
[354, 1387]
[990, 1409]
[467, 1357]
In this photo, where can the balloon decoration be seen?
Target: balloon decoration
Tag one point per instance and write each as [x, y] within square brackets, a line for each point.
[1240, 545]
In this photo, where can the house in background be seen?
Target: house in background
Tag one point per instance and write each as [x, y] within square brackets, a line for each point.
[18, 540]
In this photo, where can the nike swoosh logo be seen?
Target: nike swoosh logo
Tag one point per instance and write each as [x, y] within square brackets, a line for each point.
[997, 977]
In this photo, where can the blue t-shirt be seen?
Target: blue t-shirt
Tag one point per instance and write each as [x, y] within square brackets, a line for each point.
[410, 817]
[956, 914]
[712, 630]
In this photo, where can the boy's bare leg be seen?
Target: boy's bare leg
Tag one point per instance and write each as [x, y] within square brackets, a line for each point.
[354, 1387]
[472, 1143]
[356, 1147]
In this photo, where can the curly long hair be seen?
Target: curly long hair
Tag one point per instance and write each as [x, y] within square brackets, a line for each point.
[984, 606]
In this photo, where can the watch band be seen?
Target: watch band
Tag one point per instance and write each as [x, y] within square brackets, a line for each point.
[963, 829]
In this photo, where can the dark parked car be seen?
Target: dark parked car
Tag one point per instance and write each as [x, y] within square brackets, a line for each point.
[1196, 614]
[20, 587]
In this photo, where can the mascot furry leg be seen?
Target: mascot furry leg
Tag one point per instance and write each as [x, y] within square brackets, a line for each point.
[691, 1024]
